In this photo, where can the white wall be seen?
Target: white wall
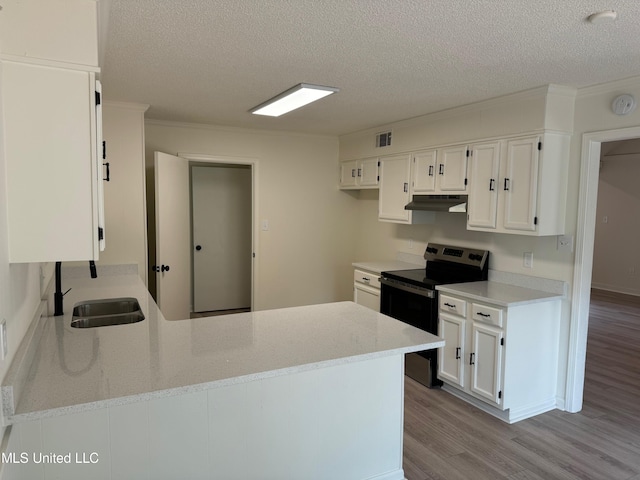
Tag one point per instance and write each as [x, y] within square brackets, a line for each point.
[305, 256]
[19, 283]
[124, 194]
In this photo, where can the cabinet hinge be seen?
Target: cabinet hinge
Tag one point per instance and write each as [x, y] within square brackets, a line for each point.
[100, 233]
[97, 98]
[378, 177]
[378, 162]
[502, 341]
[539, 145]
[465, 182]
[104, 149]
[535, 220]
[500, 394]
[468, 153]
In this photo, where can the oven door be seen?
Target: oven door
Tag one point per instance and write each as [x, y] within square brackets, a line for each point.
[418, 308]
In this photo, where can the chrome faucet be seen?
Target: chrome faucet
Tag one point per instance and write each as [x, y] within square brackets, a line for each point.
[58, 295]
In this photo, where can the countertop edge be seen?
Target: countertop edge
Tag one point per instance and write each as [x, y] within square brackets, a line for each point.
[147, 396]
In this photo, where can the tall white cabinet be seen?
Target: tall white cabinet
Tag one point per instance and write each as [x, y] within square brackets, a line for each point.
[51, 124]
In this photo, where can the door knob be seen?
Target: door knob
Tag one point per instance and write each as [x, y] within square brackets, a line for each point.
[198, 247]
[164, 268]
[155, 268]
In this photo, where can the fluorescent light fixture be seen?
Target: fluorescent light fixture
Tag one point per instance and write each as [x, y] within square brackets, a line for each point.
[296, 97]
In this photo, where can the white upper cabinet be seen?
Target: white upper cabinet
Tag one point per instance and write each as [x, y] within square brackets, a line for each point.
[395, 175]
[442, 171]
[483, 188]
[52, 163]
[528, 194]
[359, 174]
[395, 192]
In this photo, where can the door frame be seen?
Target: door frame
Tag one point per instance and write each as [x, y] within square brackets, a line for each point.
[253, 163]
[583, 261]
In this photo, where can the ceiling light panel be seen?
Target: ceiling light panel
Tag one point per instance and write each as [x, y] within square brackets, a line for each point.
[296, 97]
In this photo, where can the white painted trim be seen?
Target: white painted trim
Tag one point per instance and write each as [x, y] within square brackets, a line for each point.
[7, 57]
[614, 289]
[583, 262]
[139, 107]
[608, 86]
[253, 163]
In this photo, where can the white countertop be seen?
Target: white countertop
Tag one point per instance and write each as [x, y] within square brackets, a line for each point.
[500, 294]
[82, 369]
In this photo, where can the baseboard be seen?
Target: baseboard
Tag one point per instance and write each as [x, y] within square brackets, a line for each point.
[614, 290]
[509, 415]
[393, 475]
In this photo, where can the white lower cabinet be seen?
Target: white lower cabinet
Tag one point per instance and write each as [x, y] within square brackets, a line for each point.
[366, 289]
[503, 359]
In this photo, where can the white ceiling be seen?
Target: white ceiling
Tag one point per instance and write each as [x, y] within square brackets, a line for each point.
[210, 61]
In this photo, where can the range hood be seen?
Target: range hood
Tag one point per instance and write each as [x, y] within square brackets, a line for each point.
[438, 203]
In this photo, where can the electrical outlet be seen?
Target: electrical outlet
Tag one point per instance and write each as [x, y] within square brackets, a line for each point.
[565, 243]
[410, 244]
[528, 260]
[265, 225]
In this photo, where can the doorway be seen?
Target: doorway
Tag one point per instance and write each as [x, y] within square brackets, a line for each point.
[174, 254]
[221, 237]
[583, 263]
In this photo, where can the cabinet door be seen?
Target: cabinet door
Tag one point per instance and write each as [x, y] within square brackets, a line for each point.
[451, 356]
[452, 169]
[348, 173]
[483, 188]
[394, 189]
[485, 359]
[367, 296]
[520, 184]
[424, 172]
[368, 172]
[52, 169]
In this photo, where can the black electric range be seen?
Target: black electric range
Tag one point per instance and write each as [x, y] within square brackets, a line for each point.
[411, 296]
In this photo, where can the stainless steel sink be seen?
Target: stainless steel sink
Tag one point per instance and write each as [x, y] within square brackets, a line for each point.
[105, 312]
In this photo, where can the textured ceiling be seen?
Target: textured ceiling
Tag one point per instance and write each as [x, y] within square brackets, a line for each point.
[210, 61]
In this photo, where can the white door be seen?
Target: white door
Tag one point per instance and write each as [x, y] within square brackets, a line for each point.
[173, 236]
[369, 172]
[221, 202]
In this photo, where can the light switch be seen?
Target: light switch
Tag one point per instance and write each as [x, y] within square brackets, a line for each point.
[265, 225]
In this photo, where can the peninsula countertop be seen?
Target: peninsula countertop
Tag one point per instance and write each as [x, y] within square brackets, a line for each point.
[82, 369]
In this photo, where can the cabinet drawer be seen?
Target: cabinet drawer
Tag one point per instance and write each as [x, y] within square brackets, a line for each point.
[453, 305]
[485, 314]
[367, 278]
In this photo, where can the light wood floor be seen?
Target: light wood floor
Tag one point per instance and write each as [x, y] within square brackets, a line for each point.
[445, 438]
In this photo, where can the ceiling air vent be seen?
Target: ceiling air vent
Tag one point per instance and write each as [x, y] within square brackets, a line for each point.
[383, 139]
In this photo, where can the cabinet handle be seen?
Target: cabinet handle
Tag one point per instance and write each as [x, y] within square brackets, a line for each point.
[485, 315]
[359, 172]
[441, 171]
[506, 184]
[457, 353]
[472, 359]
[449, 305]
[406, 187]
[353, 173]
[492, 184]
[366, 279]
[431, 170]
[108, 172]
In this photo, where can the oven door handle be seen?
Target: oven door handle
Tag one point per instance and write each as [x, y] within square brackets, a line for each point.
[424, 292]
